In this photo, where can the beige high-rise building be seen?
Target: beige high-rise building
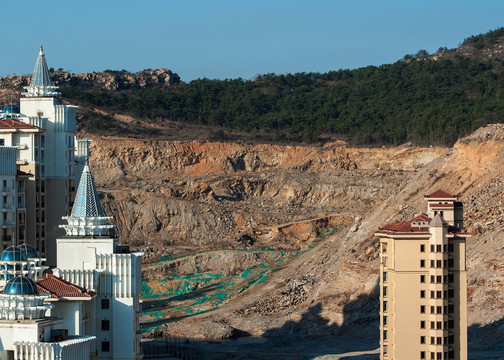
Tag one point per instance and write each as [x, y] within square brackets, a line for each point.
[423, 286]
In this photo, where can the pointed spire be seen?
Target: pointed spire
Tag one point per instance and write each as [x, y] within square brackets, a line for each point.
[41, 84]
[87, 217]
[86, 201]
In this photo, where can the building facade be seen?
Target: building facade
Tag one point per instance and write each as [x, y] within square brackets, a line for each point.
[423, 284]
[88, 306]
[89, 256]
[42, 129]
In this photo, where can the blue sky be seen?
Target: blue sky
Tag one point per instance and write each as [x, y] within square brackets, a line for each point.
[234, 38]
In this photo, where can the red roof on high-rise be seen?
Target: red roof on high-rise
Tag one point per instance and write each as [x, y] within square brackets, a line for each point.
[58, 288]
[14, 124]
[419, 225]
[408, 226]
[440, 194]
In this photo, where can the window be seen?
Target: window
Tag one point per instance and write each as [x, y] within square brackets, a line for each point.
[432, 248]
[422, 293]
[439, 356]
[451, 263]
[422, 248]
[432, 279]
[439, 310]
[433, 340]
[422, 278]
[422, 339]
[384, 334]
[384, 276]
[384, 321]
[384, 306]
[105, 346]
[450, 247]
[438, 325]
[422, 354]
[432, 309]
[422, 263]
[105, 324]
[384, 291]
[432, 262]
[432, 294]
[439, 279]
[422, 324]
[422, 309]
[105, 304]
[432, 323]
[2, 142]
[438, 248]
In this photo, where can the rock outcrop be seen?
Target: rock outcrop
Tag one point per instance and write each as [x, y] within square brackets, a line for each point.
[107, 80]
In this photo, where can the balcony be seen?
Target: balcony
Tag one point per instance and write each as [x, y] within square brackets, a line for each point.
[5, 191]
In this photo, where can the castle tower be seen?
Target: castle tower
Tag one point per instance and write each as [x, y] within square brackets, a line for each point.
[89, 256]
[49, 159]
[423, 284]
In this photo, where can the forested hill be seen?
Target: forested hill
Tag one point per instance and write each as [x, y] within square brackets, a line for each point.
[423, 98]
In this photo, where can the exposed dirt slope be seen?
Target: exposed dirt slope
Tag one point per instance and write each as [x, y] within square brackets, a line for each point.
[210, 195]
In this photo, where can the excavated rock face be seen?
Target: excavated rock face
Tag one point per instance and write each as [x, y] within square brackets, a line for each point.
[229, 196]
[210, 194]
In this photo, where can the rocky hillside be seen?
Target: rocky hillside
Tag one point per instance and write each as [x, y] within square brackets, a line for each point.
[12, 86]
[480, 47]
[421, 99]
[180, 198]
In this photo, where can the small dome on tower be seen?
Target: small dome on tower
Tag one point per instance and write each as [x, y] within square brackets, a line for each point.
[21, 285]
[29, 251]
[13, 254]
[11, 109]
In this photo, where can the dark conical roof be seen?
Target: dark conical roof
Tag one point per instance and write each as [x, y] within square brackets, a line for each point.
[438, 221]
[41, 75]
[87, 202]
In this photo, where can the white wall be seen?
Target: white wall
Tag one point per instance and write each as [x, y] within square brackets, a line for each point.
[79, 253]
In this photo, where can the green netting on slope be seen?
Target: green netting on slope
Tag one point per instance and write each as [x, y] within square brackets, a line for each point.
[200, 292]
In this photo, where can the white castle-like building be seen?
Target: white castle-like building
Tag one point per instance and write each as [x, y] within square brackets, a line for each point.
[68, 290]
